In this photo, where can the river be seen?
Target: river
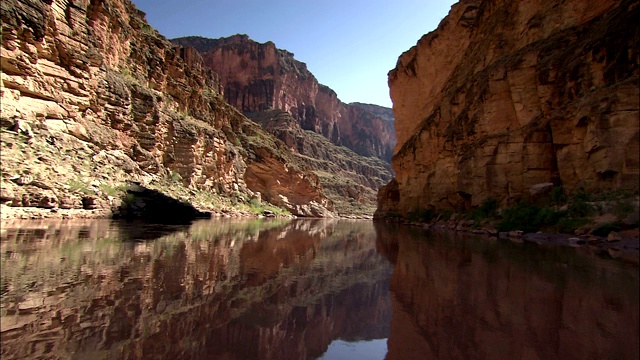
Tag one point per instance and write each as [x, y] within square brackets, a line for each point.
[304, 289]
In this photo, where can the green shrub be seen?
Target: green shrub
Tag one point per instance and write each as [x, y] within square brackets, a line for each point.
[175, 177]
[622, 208]
[520, 217]
[612, 195]
[445, 214]
[530, 218]
[581, 195]
[259, 207]
[78, 185]
[546, 217]
[112, 190]
[255, 202]
[579, 207]
[569, 225]
[558, 196]
[129, 198]
[487, 210]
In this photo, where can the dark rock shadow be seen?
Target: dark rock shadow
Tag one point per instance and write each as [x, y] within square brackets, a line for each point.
[141, 203]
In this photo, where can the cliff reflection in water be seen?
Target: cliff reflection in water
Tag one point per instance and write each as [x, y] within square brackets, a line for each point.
[287, 289]
[459, 297]
[216, 289]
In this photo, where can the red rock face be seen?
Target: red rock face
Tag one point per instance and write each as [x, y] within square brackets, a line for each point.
[256, 77]
[95, 80]
[508, 94]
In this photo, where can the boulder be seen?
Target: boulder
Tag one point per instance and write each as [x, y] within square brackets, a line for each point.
[541, 189]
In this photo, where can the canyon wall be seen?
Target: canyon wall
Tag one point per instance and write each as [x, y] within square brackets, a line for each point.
[504, 95]
[93, 96]
[349, 180]
[256, 77]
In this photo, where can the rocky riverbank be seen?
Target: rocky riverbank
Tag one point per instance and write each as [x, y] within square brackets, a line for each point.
[623, 245]
[140, 202]
[28, 213]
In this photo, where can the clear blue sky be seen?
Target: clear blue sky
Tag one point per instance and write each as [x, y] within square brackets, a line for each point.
[349, 45]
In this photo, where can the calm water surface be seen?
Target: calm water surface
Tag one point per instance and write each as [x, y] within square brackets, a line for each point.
[304, 289]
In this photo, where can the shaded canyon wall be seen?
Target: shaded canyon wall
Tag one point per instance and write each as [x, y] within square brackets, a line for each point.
[507, 94]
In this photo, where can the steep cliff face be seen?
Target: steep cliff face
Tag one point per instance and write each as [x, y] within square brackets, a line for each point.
[92, 95]
[256, 77]
[383, 112]
[279, 93]
[507, 94]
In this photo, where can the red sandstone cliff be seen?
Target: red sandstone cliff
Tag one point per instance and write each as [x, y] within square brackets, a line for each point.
[256, 77]
[507, 94]
[93, 96]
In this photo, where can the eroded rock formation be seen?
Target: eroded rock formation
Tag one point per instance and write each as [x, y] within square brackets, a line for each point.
[256, 77]
[504, 95]
[93, 96]
[350, 180]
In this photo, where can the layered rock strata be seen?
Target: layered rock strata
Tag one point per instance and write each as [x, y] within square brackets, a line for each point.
[92, 96]
[504, 95]
[256, 77]
[349, 180]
